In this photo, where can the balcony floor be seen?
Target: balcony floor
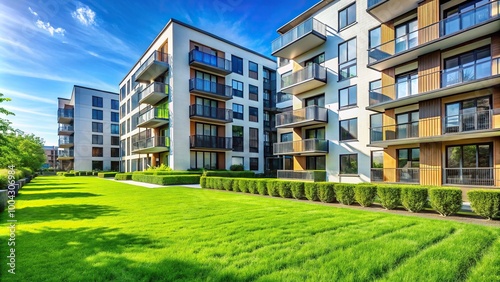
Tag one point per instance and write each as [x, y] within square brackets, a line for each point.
[209, 68]
[153, 98]
[151, 150]
[303, 86]
[152, 71]
[300, 45]
[153, 123]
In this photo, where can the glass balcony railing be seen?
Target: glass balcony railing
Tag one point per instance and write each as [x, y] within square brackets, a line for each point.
[225, 115]
[65, 127]
[155, 64]
[151, 142]
[304, 115]
[211, 142]
[305, 175]
[446, 27]
[209, 60]
[283, 97]
[297, 32]
[66, 140]
[66, 154]
[310, 72]
[211, 88]
[301, 147]
[65, 113]
[153, 114]
[154, 92]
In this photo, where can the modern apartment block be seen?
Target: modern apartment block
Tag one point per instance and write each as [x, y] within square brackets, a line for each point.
[195, 100]
[420, 106]
[89, 130]
[51, 153]
[323, 72]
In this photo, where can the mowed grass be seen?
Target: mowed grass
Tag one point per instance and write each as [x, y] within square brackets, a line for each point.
[90, 229]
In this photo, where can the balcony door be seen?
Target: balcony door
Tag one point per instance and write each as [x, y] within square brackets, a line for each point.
[406, 84]
[316, 133]
[406, 35]
[206, 107]
[206, 82]
[466, 67]
[315, 101]
[408, 165]
[469, 164]
[407, 125]
[465, 15]
[468, 115]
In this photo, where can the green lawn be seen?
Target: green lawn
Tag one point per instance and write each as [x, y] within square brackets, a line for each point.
[91, 229]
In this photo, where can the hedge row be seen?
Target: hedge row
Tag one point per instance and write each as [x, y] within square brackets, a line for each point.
[172, 172]
[446, 201]
[167, 179]
[228, 173]
[106, 174]
[123, 176]
[77, 173]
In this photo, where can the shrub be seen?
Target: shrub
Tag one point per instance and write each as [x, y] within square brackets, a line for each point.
[272, 188]
[365, 194]
[446, 201]
[4, 181]
[243, 185]
[414, 199]
[3, 200]
[485, 203]
[285, 189]
[173, 172]
[390, 197]
[203, 182]
[26, 171]
[106, 174]
[217, 183]
[210, 183]
[237, 167]
[68, 174]
[326, 192]
[344, 193]
[168, 179]
[298, 190]
[262, 186]
[319, 175]
[161, 167]
[311, 191]
[123, 176]
[226, 173]
[252, 186]
[227, 184]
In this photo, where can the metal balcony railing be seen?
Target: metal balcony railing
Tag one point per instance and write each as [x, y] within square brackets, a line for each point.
[313, 71]
[305, 175]
[311, 113]
[472, 121]
[211, 142]
[297, 32]
[214, 88]
[66, 154]
[210, 60]
[481, 176]
[151, 142]
[153, 113]
[65, 127]
[301, 147]
[64, 140]
[221, 114]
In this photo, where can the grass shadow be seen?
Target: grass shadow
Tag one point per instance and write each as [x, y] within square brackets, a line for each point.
[34, 189]
[46, 196]
[35, 184]
[63, 212]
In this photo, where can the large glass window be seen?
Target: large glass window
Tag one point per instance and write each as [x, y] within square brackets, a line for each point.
[466, 15]
[349, 129]
[468, 115]
[97, 165]
[377, 166]
[115, 141]
[254, 140]
[115, 152]
[206, 160]
[319, 59]
[254, 163]
[286, 137]
[97, 139]
[467, 66]
[115, 129]
[347, 59]
[115, 117]
[407, 125]
[374, 38]
[376, 127]
[408, 165]
[237, 88]
[315, 133]
[253, 114]
[96, 151]
[469, 164]
[237, 138]
[237, 111]
[315, 101]
[237, 64]
[253, 92]
[349, 164]
[316, 163]
[406, 84]
[348, 97]
[253, 70]
[347, 16]
[406, 35]
[96, 127]
[115, 105]
[97, 114]
[96, 101]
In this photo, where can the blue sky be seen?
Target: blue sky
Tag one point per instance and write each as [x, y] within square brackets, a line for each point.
[48, 46]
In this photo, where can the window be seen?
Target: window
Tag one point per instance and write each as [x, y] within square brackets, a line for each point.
[96, 152]
[115, 141]
[470, 164]
[347, 59]
[123, 110]
[97, 165]
[96, 114]
[237, 138]
[123, 128]
[115, 117]
[96, 101]
[319, 59]
[467, 66]
[237, 160]
[348, 97]
[96, 127]
[115, 152]
[123, 92]
[115, 105]
[406, 35]
[407, 125]
[408, 165]
[206, 160]
[237, 111]
[286, 137]
[349, 164]
[134, 121]
[115, 129]
[237, 88]
[406, 84]
[316, 163]
[253, 70]
[377, 166]
[468, 115]
[349, 129]
[374, 38]
[316, 101]
[253, 92]
[115, 166]
[134, 101]
[376, 95]
[315, 133]
[254, 163]
[97, 139]
[237, 64]
[128, 86]
[376, 128]
[206, 129]
[465, 15]
[253, 114]
[254, 140]
[347, 16]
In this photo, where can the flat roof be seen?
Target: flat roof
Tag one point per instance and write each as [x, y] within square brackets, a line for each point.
[303, 16]
[89, 88]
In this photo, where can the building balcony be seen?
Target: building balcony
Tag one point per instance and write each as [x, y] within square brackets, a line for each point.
[155, 65]
[210, 89]
[151, 145]
[308, 78]
[210, 114]
[386, 10]
[210, 143]
[153, 118]
[304, 175]
[479, 176]
[209, 62]
[444, 34]
[481, 124]
[409, 175]
[66, 155]
[302, 117]
[65, 116]
[302, 38]
[306, 147]
[154, 93]
[268, 149]
[65, 129]
[66, 141]
[436, 85]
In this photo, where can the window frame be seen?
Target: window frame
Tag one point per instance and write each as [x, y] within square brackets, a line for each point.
[348, 63]
[342, 171]
[252, 117]
[349, 103]
[355, 136]
[348, 23]
[239, 66]
[97, 114]
[97, 102]
[236, 113]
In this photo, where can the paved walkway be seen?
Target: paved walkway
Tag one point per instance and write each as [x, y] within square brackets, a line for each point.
[153, 186]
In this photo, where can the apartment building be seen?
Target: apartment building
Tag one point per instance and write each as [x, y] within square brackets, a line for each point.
[51, 154]
[89, 130]
[195, 100]
[324, 86]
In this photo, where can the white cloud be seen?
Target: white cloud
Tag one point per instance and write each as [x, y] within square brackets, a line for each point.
[28, 111]
[46, 26]
[84, 15]
[33, 12]
[13, 94]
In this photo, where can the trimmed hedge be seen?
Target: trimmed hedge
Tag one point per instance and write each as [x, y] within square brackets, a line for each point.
[414, 199]
[389, 196]
[243, 185]
[272, 188]
[68, 174]
[223, 173]
[123, 176]
[167, 179]
[298, 190]
[262, 186]
[344, 193]
[203, 182]
[3, 199]
[446, 201]
[227, 184]
[326, 192]
[106, 174]
[311, 191]
[252, 186]
[485, 203]
[365, 194]
[285, 189]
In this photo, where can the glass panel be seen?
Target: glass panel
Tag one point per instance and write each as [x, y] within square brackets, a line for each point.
[469, 156]
[402, 158]
[415, 158]
[454, 155]
[485, 157]
[352, 47]
[377, 159]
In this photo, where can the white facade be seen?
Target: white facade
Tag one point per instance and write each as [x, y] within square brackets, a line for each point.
[178, 40]
[88, 137]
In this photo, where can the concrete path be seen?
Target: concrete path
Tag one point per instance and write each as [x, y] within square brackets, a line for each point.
[153, 186]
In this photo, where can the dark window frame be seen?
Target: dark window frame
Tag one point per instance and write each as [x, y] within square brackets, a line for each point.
[350, 158]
